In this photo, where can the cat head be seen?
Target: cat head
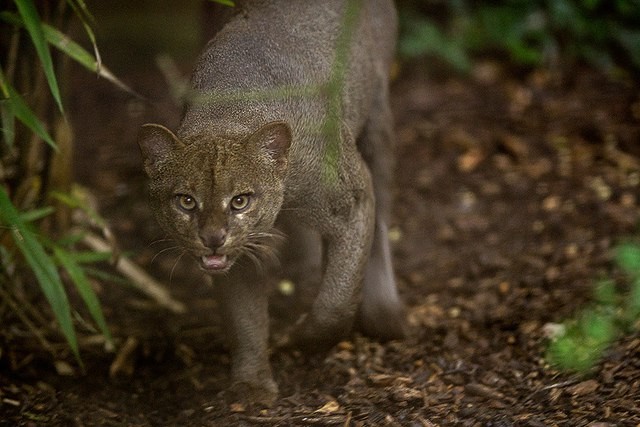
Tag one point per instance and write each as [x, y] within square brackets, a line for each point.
[219, 198]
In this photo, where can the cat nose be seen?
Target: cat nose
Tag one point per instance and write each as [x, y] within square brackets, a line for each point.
[213, 238]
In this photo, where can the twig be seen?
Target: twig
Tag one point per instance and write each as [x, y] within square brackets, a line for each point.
[559, 385]
[6, 296]
[140, 279]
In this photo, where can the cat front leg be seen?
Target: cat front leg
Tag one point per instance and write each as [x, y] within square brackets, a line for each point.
[244, 299]
[347, 229]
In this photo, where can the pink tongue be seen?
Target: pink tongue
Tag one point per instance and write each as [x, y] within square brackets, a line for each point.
[215, 262]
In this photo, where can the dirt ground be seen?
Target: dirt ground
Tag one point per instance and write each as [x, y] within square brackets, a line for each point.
[512, 189]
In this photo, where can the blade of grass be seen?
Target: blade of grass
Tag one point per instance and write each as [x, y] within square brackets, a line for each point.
[82, 284]
[43, 267]
[21, 110]
[33, 25]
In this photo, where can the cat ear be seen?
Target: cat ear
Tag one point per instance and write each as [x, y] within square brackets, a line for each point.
[156, 142]
[274, 138]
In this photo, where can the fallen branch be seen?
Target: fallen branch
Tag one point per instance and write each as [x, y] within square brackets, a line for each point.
[139, 278]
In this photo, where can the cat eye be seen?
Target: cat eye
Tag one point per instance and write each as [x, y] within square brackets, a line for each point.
[186, 202]
[240, 202]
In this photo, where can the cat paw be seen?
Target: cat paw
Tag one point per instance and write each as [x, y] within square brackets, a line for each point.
[311, 336]
[383, 322]
[252, 394]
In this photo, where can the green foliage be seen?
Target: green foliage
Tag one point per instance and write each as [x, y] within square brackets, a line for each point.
[42, 264]
[423, 37]
[33, 24]
[530, 33]
[587, 337]
[23, 246]
[224, 2]
[14, 106]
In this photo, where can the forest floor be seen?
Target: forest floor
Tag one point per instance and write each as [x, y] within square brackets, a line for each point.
[512, 190]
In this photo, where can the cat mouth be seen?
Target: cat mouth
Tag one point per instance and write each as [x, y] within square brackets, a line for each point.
[214, 263]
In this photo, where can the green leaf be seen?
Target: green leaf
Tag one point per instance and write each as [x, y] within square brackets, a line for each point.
[36, 214]
[33, 24]
[21, 110]
[633, 302]
[627, 256]
[82, 284]
[76, 52]
[43, 267]
[106, 276]
[75, 201]
[605, 292]
[224, 2]
[423, 37]
[80, 55]
[89, 257]
[82, 12]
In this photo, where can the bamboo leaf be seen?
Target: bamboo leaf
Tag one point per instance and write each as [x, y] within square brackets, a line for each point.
[21, 110]
[8, 120]
[89, 257]
[82, 284]
[82, 56]
[82, 12]
[6, 113]
[76, 52]
[33, 25]
[224, 2]
[43, 267]
[75, 201]
[106, 276]
[36, 214]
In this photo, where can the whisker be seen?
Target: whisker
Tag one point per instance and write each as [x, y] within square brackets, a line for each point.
[155, 242]
[171, 248]
[261, 248]
[255, 259]
[175, 264]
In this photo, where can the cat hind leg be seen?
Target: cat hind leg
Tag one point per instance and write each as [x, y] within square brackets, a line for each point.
[382, 313]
